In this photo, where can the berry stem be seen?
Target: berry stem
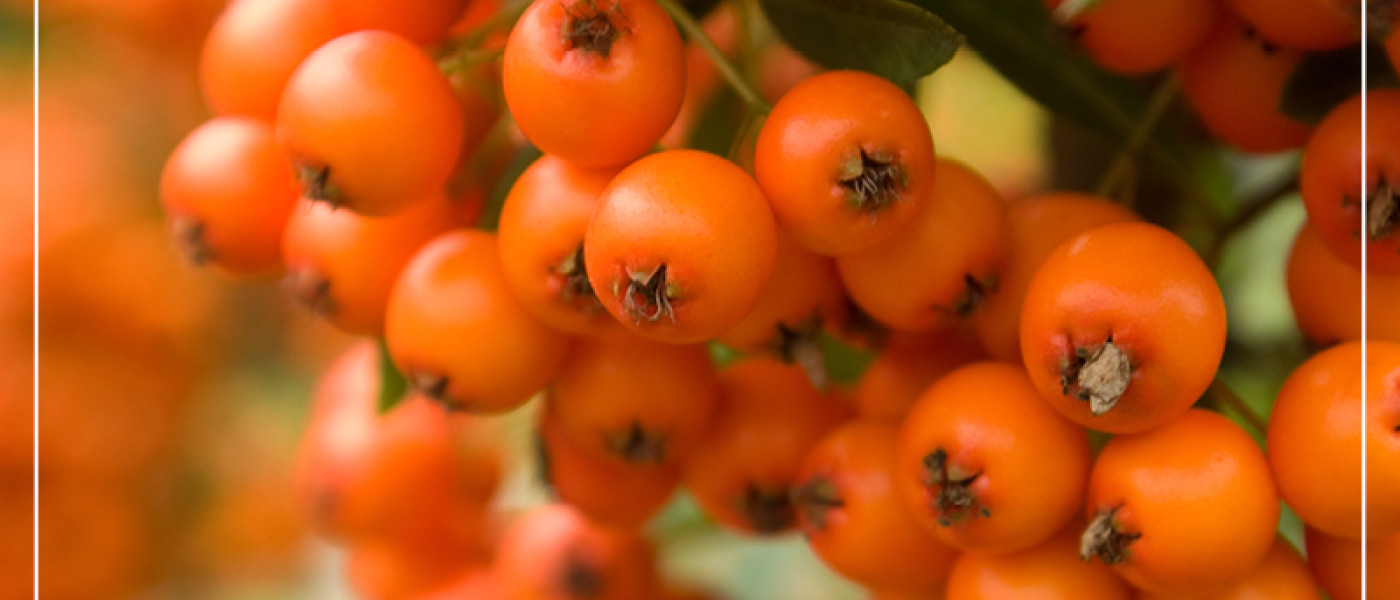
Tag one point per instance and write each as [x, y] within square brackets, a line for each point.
[1243, 218]
[1122, 169]
[727, 69]
[508, 15]
[1226, 397]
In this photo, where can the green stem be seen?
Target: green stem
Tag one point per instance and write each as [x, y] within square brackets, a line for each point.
[1246, 216]
[1125, 163]
[1227, 397]
[467, 59]
[726, 69]
[507, 17]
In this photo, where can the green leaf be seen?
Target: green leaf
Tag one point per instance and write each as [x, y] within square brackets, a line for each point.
[722, 355]
[392, 385]
[890, 38]
[491, 215]
[1023, 43]
[844, 363]
[1021, 40]
[1322, 80]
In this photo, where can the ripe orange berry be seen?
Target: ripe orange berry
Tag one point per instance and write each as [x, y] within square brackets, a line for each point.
[253, 48]
[846, 159]
[342, 266]
[1315, 439]
[1234, 82]
[370, 122]
[769, 417]
[1282, 576]
[424, 22]
[1335, 193]
[801, 299]
[935, 272]
[228, 191]
[475, 584]
[606, 398]
[1183, 509]
[413, 474]
[387, 571]
[1051, 570]
[1117, 347]
[541, 232]
[1337, 564]
[1303, 24]
[985, 465]
[1326, 295]
[905, 368]
[680, 245]
[1039, 224]
[1140, 36]
[554, 553]
[595, 82]
[613, 494]
[851, 514]
[457, 333]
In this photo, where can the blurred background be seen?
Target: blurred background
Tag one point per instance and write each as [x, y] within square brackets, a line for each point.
[173, 398]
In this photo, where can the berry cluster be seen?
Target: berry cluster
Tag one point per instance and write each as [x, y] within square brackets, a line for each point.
[1032, 416]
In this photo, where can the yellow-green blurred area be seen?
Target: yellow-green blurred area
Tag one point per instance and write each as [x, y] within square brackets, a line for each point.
[172, 398]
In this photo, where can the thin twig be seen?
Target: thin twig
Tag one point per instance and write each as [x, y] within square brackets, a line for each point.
[1245, 217]
[1227, 397]
[726, 68]
[507, 17]
[1125, 163]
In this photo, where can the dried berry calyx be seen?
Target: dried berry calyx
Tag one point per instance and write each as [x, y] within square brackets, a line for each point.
[648, 296]
[1382, 211]
[816, 499]
[575, 274]
[591, 28]
[768, 509]
[873, 181]
[316, 184]
[1099, 376]
[581, 578]
[189, 234]
[801, 346]
[1104, 538]
[311, 290]
[975, 293]
[433, 386]
[638, 445]
[953, 498]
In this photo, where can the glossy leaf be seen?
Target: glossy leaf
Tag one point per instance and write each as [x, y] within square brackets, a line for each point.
[894, 39]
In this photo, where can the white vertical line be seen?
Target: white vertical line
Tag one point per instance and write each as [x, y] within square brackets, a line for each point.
[1365, 238]
[35, 275]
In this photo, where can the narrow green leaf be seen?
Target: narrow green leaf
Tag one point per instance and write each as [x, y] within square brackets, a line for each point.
[392, 385]
[1325, 79]
[890, 38]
